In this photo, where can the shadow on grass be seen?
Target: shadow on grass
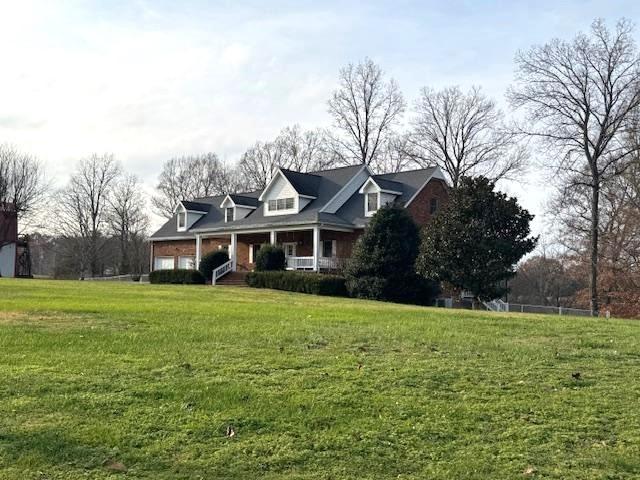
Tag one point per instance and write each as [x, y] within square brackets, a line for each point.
[49, 446]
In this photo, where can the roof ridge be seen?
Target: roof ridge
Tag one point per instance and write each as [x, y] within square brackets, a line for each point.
[421, 169]
[338, 168]
[299, 173]
[242, 194]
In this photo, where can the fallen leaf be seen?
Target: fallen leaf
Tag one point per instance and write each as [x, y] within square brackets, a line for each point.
[114, 466]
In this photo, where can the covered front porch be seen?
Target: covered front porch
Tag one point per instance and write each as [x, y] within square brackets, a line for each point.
[312, 248]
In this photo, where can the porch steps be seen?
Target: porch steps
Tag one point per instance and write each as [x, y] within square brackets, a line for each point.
[236, 279]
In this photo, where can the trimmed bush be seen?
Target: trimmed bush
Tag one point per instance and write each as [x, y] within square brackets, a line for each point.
[382, 265]
[314, 283]
[269, 258]
[182, 277]
[211, 261]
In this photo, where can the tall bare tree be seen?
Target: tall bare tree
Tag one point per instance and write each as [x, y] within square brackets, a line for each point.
[294, 148]
[128, 223]
[188, 177]
[304, 150]
[396, 156]
[580, 98]
[83, 210]
[465, 135]
[365, 109]
[22, 182]
[258, 163]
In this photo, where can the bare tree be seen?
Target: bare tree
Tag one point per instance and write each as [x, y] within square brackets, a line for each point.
[186, 178]
[304, 150]
[365, 109]
[544, 280]
[465, 135]
[580, 98]
[128, 223]
[396, 156]
[258, 163]
[294, 148]
[83, 210]
[22, 183]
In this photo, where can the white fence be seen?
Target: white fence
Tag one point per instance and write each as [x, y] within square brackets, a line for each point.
[504, 307]
[547, 309]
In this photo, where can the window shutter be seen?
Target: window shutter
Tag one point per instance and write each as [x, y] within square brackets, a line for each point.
[334, 248]
[251, 253]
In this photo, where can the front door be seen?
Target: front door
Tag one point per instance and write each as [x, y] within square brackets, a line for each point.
[289, 249]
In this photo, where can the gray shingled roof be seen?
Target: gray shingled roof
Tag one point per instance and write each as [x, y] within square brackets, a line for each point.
[195, 206]
[244, 200]
[322, 184]
[304, 183]
[385, 184]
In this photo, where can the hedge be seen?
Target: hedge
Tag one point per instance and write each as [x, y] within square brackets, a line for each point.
[314, 283]
[183, 276]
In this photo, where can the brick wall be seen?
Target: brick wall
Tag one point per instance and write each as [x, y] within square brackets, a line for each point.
[208, 245]
[420, 207]
[242, 256]
[179, 248]
[344, 241]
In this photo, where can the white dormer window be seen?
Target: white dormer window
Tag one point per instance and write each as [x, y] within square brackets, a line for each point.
[237, 207]
[280, 196]
[378, 192]
[182, 218]
[372, 203]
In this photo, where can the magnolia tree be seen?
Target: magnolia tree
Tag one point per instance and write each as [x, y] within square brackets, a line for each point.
[476, 241]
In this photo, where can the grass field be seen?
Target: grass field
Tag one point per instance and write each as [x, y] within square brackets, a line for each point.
[96, 378]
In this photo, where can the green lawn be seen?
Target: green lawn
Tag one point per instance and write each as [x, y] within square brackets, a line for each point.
[100, 376]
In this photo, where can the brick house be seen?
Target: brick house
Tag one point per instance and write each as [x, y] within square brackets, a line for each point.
[316, 217]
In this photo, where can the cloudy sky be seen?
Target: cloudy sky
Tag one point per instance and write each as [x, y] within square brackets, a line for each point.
[147, 80]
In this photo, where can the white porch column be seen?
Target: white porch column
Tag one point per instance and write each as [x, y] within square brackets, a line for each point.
[316, 248]
[233, 251]
[198, 250]
[272, 237]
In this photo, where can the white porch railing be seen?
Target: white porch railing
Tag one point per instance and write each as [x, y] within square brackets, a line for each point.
[331, 263]
[300, 263]
[221, 271]
[306, 263]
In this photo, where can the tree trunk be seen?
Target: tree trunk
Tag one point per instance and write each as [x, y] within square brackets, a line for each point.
[595, 222]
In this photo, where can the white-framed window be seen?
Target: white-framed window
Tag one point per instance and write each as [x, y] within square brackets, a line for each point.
[182, 220]
[328, 248]
[229, 214]
[281, 204]
[371, 200]
[187, 262]
[164, 263]
[433, 206]
[289, 249]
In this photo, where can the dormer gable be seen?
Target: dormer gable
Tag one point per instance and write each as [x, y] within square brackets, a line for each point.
[236, 207]
[288, 192]
[187, 213]
[378, 192]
